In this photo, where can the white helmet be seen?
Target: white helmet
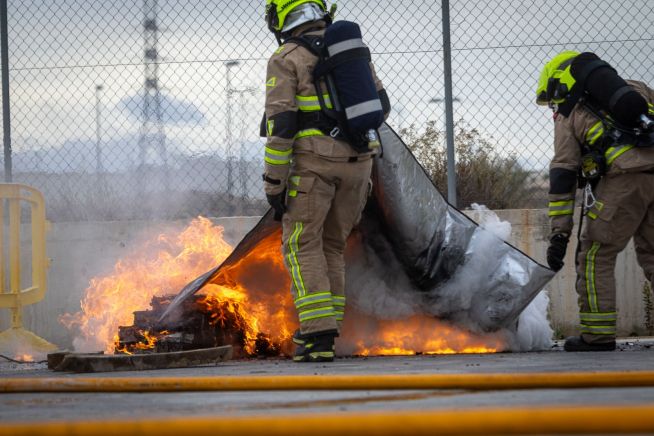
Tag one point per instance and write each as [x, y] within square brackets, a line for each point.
[301, 14]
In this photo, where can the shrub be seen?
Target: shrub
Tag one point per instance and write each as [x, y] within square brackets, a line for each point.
[483, 176]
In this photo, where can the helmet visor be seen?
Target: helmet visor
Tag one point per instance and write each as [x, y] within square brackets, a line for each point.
[305, 13]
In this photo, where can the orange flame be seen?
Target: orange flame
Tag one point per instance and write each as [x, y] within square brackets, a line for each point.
[251, 295]
[24, 358]
[162, 266]
[419, 334]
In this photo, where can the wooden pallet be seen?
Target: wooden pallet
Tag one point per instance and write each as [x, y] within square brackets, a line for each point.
[98, 362]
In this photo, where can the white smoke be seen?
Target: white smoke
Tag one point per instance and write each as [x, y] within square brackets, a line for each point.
[534, 331]
[381, 289]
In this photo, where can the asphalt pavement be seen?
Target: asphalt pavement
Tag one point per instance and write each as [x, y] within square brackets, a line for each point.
[632, 355]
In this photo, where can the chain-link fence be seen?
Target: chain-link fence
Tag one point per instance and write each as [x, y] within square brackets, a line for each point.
[151, 108]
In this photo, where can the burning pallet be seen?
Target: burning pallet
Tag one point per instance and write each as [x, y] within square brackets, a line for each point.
[99, 362]
[200, 322]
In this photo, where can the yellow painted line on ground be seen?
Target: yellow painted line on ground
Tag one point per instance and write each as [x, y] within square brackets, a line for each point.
[332, 382]
[534, 420]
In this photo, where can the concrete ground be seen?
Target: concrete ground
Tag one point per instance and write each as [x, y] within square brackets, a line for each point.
[633, 355]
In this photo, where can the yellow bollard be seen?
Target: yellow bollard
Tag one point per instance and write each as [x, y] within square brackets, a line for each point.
[16, 342]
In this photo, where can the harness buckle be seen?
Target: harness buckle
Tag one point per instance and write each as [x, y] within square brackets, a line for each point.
[589, 197]
[335, 132]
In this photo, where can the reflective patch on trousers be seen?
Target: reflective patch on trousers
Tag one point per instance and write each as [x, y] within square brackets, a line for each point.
[293, 248]
[308, 315]
[591, 290]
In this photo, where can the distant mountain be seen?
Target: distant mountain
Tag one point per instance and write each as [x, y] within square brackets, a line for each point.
[173, 111]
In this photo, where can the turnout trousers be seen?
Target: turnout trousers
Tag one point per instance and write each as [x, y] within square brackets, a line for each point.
[325, 199]
[624, 208]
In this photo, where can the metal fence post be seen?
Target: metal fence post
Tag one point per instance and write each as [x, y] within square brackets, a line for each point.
[449, 111]
[6, 118]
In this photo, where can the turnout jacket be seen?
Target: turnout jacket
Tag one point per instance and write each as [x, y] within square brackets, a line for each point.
[570, 133]
[289, 91]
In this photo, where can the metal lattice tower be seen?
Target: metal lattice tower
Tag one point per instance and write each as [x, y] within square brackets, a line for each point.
[152, 139]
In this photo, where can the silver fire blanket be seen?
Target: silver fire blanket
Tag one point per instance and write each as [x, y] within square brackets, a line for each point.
[412, 243]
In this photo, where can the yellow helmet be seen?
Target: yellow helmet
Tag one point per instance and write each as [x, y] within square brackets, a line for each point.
[277, 12]
[556, 80]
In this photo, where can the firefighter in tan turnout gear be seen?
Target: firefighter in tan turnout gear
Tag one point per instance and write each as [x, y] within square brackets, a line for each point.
[315, 180]
[603, 134]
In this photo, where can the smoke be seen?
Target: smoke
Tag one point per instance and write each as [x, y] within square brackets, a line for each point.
[382, 290]
[534, 331]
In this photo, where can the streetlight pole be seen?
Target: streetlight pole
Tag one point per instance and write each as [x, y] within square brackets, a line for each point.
[230, 175]
[449, 112]
[449, 140]
[6, 117]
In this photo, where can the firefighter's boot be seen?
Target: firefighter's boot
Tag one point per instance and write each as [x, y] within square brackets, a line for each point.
[577, 343]
[314, 347]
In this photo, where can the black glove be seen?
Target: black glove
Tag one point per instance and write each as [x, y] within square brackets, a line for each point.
[556, 251]
[278, 203]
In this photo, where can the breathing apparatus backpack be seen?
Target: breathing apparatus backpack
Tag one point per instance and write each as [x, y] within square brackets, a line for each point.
[353, 110]
[625, 115]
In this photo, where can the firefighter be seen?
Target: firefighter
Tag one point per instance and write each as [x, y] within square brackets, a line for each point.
[316, 183]
[603, 133]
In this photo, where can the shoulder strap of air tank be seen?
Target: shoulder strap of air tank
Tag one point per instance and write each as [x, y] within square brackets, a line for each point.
[313, 43]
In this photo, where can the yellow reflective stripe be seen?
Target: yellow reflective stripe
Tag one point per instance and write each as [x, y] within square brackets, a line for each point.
[562, 203]
[557, 208]
[651, 108]
[598, 317]
[308, 132]
[293, 248]
[278, 157]
[598, 330]
[592, 215]
[338, 301]
[595, 132]
[279, 152]
[339, 307]
[321, 297]
[273, 161]
[311, 103]
[590, 276]
[316, 313]
[614, 152]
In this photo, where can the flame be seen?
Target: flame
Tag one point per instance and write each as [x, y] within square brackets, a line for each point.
[419, 334]
[162, 266]
[24, 358]
[249, 296]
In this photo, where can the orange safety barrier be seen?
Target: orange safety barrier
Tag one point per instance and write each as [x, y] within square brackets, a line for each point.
[16, 296]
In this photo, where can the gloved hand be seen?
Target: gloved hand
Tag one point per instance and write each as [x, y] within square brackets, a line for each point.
[556, 251]
[278, 203]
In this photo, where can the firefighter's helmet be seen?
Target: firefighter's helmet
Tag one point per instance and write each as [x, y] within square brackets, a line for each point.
[556, 80]
[285, 15]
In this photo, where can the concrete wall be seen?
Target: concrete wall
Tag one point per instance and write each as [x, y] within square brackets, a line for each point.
[80, 251]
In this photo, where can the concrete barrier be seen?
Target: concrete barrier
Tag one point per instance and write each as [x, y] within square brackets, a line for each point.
[81, 251]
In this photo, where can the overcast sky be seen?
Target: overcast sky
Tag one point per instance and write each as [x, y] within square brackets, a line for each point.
[61, 49]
